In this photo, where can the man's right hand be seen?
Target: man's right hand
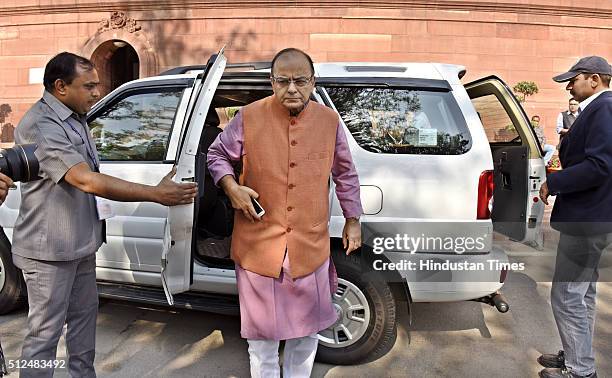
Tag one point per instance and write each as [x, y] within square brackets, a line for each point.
[167, 192]
[240, 196]
[171, 193]
[5, 184]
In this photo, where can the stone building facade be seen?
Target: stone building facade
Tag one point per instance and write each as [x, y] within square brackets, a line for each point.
[523, 40]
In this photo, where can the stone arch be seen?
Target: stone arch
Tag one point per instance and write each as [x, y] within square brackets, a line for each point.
[117, 62]
[126, 32]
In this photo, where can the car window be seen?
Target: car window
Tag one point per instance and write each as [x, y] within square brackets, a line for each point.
[402, 121]
[137, 127]
[497, 124]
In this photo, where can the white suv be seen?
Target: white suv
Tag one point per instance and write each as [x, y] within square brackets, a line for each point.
[427, 148]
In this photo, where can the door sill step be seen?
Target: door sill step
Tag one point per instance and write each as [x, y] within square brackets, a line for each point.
[215, 303]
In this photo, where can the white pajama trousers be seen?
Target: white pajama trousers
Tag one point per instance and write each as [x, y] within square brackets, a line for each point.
[298, 357]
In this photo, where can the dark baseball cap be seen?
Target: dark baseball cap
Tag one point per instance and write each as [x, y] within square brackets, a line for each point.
[588, 64]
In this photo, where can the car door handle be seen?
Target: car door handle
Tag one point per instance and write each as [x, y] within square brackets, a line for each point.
[188, 179]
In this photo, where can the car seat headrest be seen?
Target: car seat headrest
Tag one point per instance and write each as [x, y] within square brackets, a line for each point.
[212, 118]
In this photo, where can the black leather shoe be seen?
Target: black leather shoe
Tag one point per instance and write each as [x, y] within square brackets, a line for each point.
[562, 373]
[552, 360]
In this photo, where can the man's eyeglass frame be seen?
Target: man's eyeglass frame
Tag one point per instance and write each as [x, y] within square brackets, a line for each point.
[299, 82]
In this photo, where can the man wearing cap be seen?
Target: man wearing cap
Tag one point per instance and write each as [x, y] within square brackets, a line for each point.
[583, 214]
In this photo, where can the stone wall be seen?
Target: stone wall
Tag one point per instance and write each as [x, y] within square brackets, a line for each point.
[523, 40]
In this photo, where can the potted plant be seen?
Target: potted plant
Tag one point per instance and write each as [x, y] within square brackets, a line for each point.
[524, 89]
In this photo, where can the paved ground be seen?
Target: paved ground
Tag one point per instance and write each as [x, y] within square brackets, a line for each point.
[465, 339]
[446, 340]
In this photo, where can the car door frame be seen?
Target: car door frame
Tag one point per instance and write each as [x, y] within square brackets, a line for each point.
[177, 257]
[528, 229]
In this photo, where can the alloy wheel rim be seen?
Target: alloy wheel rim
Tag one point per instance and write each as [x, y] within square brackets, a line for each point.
[353, 312]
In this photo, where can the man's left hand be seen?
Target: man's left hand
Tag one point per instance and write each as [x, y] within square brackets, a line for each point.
[351, 235]
[5, 184]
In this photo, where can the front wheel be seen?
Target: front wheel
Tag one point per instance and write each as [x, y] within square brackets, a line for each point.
[367, 325]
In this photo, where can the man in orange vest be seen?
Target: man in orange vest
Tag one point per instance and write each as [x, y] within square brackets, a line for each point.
[288, 146]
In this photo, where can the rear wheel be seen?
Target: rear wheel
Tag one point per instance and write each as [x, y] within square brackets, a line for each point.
[12, 288]
[366, 326]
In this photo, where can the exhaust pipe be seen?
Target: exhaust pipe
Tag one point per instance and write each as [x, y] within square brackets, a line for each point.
[496, 300]
[500, 303]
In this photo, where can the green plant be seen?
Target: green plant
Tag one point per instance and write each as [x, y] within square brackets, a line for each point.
[524, 89]
[231, 111]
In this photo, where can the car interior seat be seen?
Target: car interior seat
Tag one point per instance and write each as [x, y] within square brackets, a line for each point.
[216, 215]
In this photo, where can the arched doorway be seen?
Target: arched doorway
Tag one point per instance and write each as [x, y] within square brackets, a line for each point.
[117, 63]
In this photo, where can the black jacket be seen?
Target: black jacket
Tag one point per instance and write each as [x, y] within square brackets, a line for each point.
[584, 187]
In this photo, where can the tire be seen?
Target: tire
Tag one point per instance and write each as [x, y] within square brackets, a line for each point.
[376, 331]
[12, 287]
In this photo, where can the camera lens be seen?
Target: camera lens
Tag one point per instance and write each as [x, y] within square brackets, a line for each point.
[19, 162]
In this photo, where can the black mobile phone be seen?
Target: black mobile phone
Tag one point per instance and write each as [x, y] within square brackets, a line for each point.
[258, 209]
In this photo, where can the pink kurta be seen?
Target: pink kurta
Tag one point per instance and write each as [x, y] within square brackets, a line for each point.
[283, 308]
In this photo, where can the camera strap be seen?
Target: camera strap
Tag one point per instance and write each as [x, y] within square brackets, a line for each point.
[103, 205]
[88, 146]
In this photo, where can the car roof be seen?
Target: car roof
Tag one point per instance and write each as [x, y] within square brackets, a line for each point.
[432, 71]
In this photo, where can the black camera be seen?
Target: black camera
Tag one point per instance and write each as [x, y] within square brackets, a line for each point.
[19, 162]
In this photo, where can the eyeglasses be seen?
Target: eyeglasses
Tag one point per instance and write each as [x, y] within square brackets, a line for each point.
[285, 81]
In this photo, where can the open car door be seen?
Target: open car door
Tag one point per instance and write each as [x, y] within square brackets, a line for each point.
[517, 159]
[176, 259]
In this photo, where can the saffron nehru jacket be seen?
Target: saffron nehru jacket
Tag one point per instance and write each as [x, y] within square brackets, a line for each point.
[288, 162]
